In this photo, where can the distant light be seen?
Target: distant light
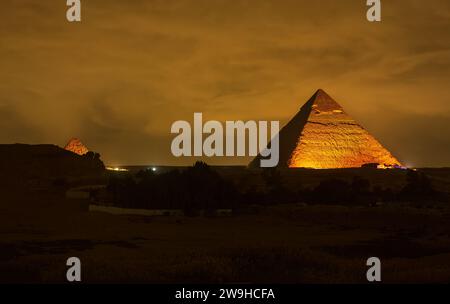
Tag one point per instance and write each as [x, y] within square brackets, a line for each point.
[116, 169]
[153, 169]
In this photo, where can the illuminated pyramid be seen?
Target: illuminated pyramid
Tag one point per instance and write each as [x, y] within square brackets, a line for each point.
[75, 146]
[323, 136]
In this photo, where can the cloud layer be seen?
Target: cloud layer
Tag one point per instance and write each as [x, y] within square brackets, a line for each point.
[121, 77]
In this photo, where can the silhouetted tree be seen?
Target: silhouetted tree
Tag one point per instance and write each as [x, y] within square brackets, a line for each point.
[196, 188]
[360, 186]
[332, 191]
[276, 192]
[89, 155]
[418, 187]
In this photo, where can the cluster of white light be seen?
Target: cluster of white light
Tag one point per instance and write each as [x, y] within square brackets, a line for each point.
[116, 169]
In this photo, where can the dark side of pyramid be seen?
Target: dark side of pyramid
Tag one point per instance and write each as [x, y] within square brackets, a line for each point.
[322, 136]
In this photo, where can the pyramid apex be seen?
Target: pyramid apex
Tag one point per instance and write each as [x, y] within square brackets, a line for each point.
[76, 146]
[321, 92]
[323, 102]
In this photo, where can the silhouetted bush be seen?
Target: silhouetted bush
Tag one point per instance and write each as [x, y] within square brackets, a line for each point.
[275, 190]
[418, 188]
[273, 180]
[332, 191]
[360, 186]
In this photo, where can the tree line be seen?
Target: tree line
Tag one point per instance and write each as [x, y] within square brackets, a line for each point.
[200, 187]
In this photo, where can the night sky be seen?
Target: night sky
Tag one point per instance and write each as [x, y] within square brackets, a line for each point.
[118, 79]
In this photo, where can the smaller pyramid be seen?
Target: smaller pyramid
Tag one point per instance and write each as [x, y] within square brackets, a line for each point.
[76, 146]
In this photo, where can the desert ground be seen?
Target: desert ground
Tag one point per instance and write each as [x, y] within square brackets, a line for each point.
[281, 243]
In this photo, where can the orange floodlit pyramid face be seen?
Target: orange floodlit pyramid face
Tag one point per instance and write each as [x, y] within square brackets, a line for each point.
[323, 136]
[76, 146]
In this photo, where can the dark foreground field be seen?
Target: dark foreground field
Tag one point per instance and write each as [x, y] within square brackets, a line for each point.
[293, 243]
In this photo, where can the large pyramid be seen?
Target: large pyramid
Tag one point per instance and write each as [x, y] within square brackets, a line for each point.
[323, 136]
[76, 146]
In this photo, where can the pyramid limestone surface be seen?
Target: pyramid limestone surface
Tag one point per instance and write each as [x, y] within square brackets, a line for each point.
[76, 146]
[323, 136]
